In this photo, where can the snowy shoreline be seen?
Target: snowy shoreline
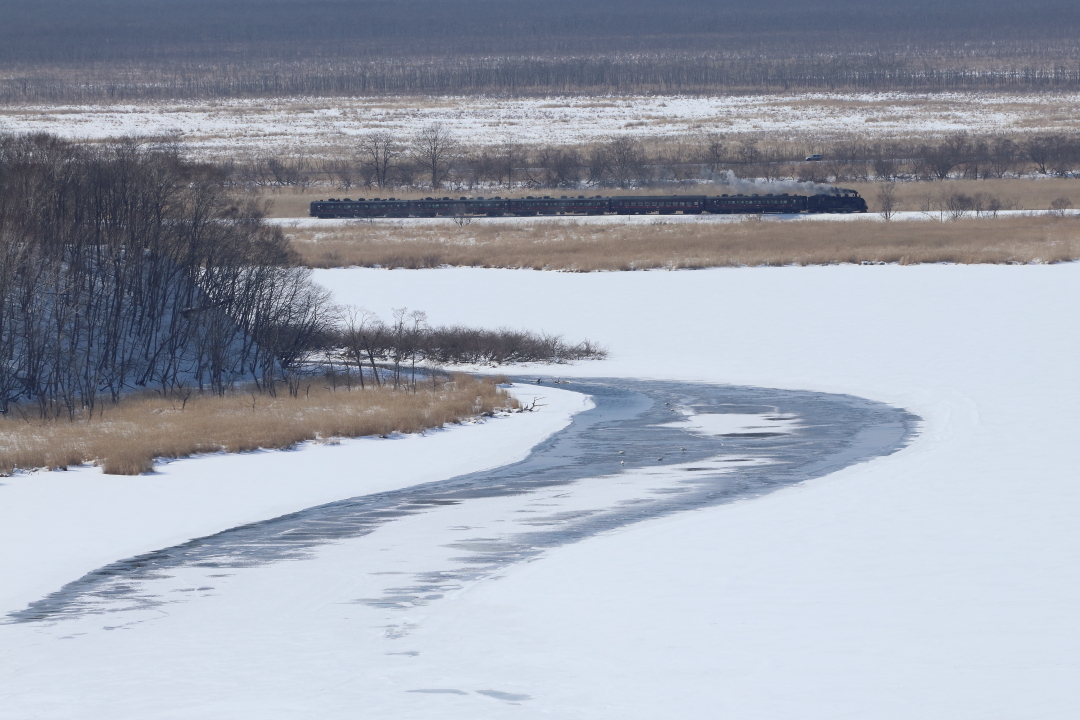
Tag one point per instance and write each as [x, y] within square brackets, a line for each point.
[116, 516]
[710, 457]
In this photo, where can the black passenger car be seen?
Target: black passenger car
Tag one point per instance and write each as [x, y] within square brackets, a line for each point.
[840, 201]
[726, 204]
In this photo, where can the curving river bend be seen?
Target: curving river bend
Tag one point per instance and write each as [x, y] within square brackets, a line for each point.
[645, 450]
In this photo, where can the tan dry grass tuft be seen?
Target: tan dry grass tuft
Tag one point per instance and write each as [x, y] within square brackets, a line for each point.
[584, 247]
[126, 437]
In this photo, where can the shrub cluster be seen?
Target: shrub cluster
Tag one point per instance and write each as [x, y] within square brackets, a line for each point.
[390, 352]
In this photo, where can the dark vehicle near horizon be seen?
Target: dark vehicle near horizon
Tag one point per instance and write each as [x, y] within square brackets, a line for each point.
[840, 201]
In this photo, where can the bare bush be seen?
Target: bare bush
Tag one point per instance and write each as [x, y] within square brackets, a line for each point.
[957, 205]
[381, 352]
[1060, 206]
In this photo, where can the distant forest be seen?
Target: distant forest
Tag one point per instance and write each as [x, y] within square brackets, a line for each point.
[75, 50]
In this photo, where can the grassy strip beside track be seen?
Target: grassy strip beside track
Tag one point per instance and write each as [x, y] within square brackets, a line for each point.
[581, 246]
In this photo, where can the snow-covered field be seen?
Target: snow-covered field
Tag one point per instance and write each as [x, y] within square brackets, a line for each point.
[938, 582]
[232, 128]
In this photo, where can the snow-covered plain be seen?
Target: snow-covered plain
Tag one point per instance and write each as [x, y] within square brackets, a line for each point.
[938, 582]
[319, 126]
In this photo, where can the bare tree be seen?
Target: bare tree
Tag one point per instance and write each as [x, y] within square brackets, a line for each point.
[942, 159]
[886, 199]
[1002, 157]
[362, 339]
[378, 154]
[748, 152]
[435, 148]
[885, 168]
[555, 167]
[627, 161]
[713, 152]
[342, 171]
[511, 155]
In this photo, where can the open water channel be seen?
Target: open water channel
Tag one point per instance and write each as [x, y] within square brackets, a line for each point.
[646, 449]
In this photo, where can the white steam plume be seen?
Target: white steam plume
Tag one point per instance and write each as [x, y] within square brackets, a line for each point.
[776, 187]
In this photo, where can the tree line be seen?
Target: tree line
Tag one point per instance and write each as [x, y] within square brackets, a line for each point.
[435, 159]
[123, 266]
[72, 51]
[681, 74]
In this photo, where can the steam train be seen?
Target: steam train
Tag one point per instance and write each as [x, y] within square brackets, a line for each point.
[840, 201]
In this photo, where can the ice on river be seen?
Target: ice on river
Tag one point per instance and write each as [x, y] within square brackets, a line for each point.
[939, 581]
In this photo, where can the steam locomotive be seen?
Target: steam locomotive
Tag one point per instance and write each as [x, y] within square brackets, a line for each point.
[841, 201]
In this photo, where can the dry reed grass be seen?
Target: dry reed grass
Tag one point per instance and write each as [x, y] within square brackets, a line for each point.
[1015, 193]
[584, 247]
[125, 438]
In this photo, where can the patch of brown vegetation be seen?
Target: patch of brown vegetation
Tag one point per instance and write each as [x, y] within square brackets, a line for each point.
[1014, 193]
[126, 437]
[583, 246]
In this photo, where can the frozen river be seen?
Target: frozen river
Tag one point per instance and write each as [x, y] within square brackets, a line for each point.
[937, 582]
[644, 450]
